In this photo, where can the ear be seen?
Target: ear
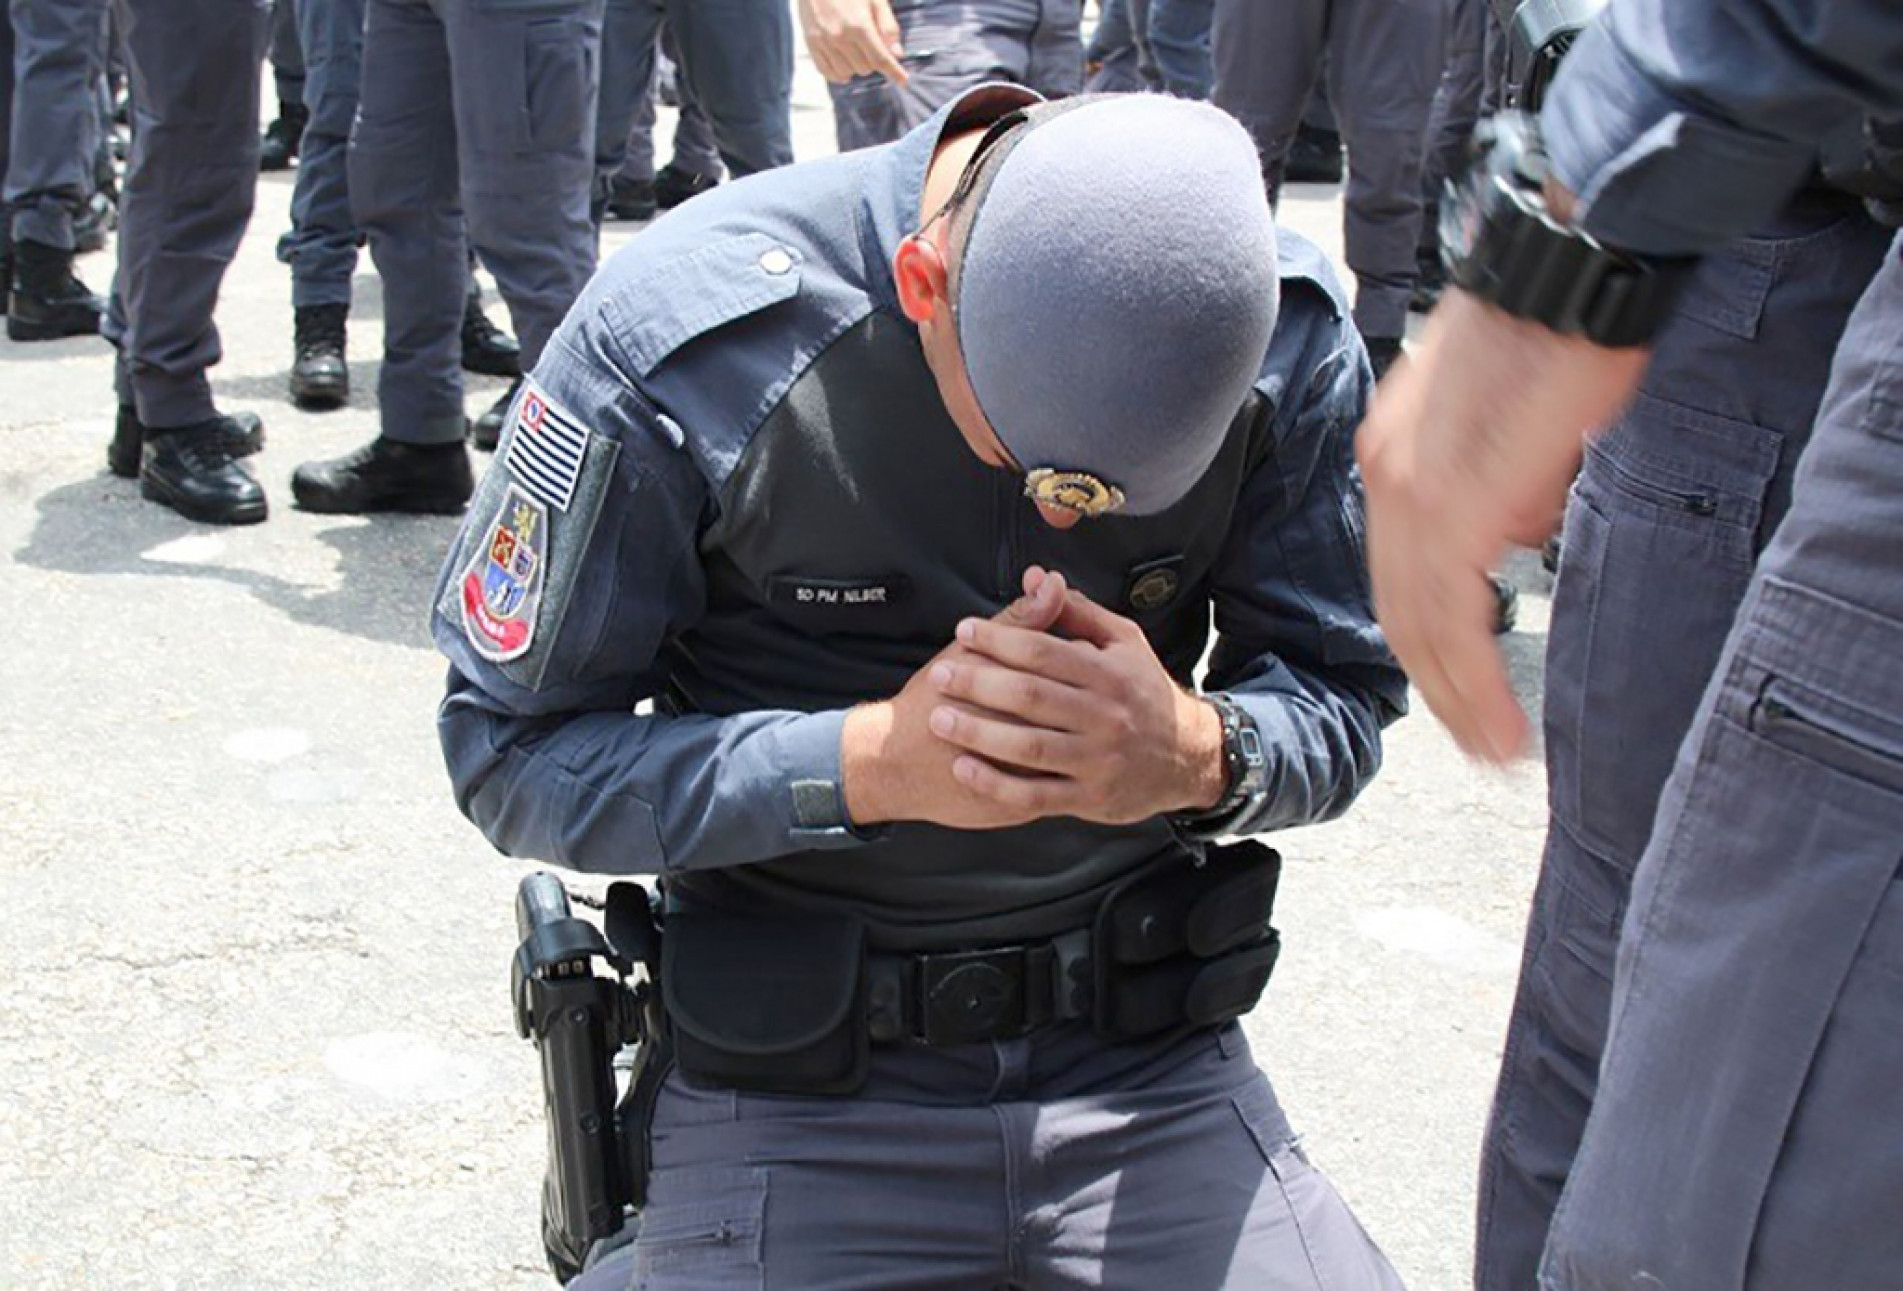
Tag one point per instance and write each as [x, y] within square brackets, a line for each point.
[921, 273]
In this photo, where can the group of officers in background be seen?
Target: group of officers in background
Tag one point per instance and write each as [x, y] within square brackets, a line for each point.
[444, 136]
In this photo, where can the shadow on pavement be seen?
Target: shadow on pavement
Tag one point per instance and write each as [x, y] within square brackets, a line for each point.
[385, 573]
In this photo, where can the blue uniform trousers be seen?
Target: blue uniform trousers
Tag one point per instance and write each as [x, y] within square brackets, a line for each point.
[1179, 42]
[1049, 1163]
[1667, 520]
[1450, 125]
[287, 54]
[952, 45]
[1384, 60]
[51, 53]
[195, 67]
[321, 245]
[631, 31]
[735, 65]
[486, 110]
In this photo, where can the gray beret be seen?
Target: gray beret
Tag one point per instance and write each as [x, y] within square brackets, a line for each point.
[1116, 290]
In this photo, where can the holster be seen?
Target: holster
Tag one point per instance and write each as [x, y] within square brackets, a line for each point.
[773, 1005]
[1178, 943]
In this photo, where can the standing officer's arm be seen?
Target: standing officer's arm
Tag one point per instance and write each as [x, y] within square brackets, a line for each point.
[543, 748]
[1674, 126]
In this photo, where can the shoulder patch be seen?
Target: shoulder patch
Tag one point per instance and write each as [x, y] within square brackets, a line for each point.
[669, 303]
[502, 586]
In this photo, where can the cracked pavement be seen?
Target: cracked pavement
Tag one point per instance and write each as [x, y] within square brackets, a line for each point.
[257, 1031]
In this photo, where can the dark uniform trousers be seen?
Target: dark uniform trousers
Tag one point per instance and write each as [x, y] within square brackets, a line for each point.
[484, 108]
[1666, 522]
[51, 53]
[1384, 60]
[195, 67]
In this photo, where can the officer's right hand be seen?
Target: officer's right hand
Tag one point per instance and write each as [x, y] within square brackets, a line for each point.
[849, 38]
[894, 768]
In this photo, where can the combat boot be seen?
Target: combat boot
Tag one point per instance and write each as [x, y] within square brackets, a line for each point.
[1313, 158]
[320, 378]
[487, 348]
[47, 300]
[672, 186]
[386, 475]
[632, 199]
[487, 432]
[193, 471]
[283, 137]
[240, 434]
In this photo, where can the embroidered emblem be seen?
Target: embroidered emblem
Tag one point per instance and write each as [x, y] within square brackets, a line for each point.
[1078, 491]
[546, 447]
[502, 587]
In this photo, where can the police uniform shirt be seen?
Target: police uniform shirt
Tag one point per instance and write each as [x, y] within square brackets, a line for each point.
[731, 488]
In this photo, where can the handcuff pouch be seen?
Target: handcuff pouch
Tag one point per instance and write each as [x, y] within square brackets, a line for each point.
[764, 1004]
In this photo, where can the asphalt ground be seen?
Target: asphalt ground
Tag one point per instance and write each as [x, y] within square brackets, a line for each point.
[256, 1027]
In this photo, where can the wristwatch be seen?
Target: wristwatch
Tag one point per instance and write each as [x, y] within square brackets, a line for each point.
[1502, 244]
[1245, 770]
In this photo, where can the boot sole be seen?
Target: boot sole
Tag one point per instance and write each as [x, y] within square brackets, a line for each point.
[23, 330]
[319, 400]
[324, 504]
[249, 513]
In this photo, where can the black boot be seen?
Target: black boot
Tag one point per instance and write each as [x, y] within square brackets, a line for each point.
[1314, 157]
[487, 431]
[487, 348]
[240, 434]
[385, 475]
[192, 470]
[47, 301]
[672, 186]
[632, 199]
[1506, 605]
[1382, 352]
[319, 377]
[98, 218]
[283, 137]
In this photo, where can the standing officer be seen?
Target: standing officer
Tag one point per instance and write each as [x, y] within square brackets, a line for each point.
[48, 54]
[284, 137]
[890, 65]
[1384, 61]
[785, 461]
[190, 182]
[486, 110]
[627, 184]
[1744, 1130]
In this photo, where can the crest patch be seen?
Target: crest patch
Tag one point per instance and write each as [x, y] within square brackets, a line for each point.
[502, 588]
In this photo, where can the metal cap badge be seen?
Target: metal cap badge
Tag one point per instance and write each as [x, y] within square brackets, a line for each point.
[1078, 491]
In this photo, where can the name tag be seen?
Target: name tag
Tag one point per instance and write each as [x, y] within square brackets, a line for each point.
[843, 595]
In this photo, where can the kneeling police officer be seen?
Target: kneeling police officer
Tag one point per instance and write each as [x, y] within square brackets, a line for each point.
[903, 483]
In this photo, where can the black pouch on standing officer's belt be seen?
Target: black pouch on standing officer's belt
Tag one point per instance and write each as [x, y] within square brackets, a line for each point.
[772, 1005]
[1179, 943]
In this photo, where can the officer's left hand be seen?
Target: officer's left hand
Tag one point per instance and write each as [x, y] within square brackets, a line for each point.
[1108, 733]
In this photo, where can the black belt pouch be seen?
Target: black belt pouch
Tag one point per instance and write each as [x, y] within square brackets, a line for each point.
[767, 1005]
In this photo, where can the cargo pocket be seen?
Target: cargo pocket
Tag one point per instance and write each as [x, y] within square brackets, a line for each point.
[702, 1231]
[1659, 551]
[560, 80]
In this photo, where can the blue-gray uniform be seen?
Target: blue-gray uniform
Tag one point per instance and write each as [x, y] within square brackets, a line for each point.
[732, 488]
[1179, 42]
[1384, 61]
[49, 55]
[287, 53]
[1745, 1130]
[735, 60]
[952, 45]
[321, 244]
[483, 110]
[190, 182]
[1450, 125]
[629, 154]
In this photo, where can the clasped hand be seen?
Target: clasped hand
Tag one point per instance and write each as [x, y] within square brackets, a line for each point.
[1054, 707]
